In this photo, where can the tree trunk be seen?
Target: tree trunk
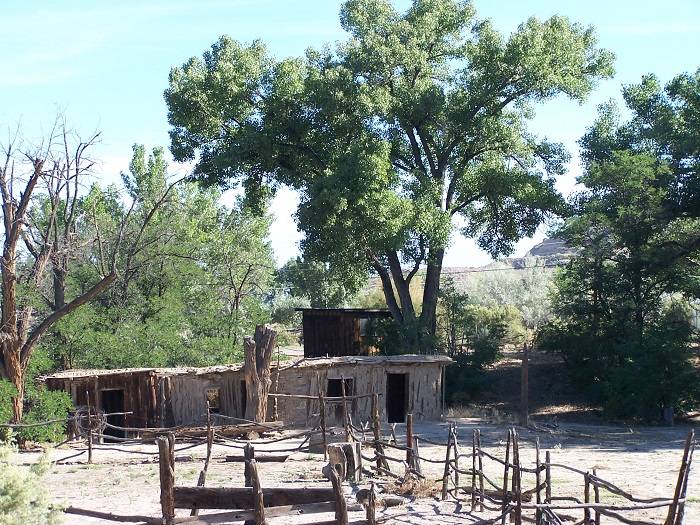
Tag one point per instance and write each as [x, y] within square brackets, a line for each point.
[258, 356]
[15, 373]
[433, 271]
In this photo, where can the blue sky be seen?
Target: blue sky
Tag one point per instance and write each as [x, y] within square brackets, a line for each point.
[105, 65]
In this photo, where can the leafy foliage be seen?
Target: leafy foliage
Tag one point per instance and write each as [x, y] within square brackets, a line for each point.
[322, 285]
[23, 495]
[417, 118]
[638, 235]
[196, 285]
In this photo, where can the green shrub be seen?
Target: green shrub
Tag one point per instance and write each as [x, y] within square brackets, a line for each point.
[46, 405]
[23, 496]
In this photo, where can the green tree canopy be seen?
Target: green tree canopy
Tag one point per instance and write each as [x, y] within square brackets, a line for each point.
[419, 117]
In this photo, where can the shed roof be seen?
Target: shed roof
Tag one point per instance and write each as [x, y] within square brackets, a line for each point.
[318, 362]
[369, 312]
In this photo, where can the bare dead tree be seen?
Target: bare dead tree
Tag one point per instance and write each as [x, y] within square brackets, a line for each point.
[51, 174]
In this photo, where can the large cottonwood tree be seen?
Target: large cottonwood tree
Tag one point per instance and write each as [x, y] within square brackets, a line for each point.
[412, 128]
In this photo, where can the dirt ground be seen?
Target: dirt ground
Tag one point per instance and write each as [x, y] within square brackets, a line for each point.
[642, 460]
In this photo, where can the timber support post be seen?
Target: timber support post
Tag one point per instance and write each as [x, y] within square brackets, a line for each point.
[322, 416]
[506, 468]
[341, 506]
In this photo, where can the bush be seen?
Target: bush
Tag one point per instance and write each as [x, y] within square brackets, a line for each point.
[22, 493]
[45, 405]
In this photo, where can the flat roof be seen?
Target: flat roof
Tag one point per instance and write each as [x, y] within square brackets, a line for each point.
[307, 362]
[367, 311]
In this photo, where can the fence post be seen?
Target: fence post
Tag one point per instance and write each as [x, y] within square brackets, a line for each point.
[473, 494]
[674, 511]
[447, 474]
[506, 499]
[376, 429]
[538, 477]
[681, 505]
[248, 456]
[371, 505]
[89, 441]
[416, 456]
[258, 502]
[586, 498]
[481, 470]
[409, 442]
[524, 388]
[455, 451]
[548, 477]
[166, 458]
[322, 416]
[341, 506]
[596, 496]
[517, 476]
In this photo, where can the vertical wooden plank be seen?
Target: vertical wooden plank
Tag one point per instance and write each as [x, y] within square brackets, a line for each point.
[248, 456]
[506, 468]
[455, 452]
[416, 456]
[447, 472]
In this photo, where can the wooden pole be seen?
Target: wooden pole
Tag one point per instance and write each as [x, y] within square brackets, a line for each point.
[673, 508]
[524, 388]
[341, 506]
[473, 492]
[376, 429]
[586, 498]
[447, 473]
[548, 477]
[517, 478]
[506, 467]
[348, 434]
[258, 502]
[538, 477]
[416, 456]
[89, 442]
[167, 478]
[481, 470]
[249, 455]
[275, 412]
[371, 506]
[680, 515]
[322, 416]
[409, 442]
[210, 442]
[455, 451]
[596, 495]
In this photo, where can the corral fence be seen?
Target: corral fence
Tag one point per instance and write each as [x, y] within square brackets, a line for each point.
[525, 493]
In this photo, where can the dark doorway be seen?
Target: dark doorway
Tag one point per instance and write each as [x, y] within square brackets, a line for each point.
[244, 398]
[396, 397]
[113, 401]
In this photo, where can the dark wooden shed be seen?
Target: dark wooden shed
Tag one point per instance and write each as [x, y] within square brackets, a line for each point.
[336, 332]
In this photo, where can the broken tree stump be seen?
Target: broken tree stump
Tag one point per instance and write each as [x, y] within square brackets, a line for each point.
[258, 357]
[347, 455]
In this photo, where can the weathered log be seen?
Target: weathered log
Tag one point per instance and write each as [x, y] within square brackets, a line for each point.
[242, 429]
[258, 357]
[166, 446]
[242, 497]
[260, 458]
